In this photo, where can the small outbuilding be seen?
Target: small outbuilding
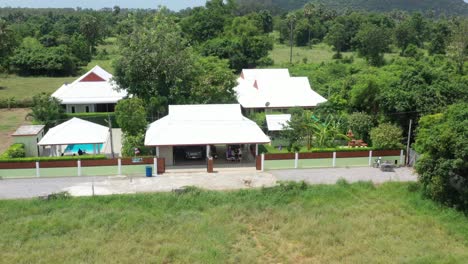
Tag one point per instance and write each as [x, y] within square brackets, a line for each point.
[206, 127]
[29, 135]
[75, 137]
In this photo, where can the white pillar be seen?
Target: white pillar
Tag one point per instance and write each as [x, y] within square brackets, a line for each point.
[263, 161]
[208, 151]
[157, 152]
[119, 166]
[256, 149]
[370, 158]
[401, 158]
[79, 167]
[296, 159]
[155, 166]
[334, 159]
[94, 149]
[38, 174]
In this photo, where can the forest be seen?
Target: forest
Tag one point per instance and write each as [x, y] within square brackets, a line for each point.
[381, 67]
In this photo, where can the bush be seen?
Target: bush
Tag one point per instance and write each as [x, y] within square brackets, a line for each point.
[98, 118]
[14, 151]
[63, 158]
[274, 150]
[387, 136]
[12, 102]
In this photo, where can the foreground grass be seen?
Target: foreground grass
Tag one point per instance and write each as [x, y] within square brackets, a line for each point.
[356, 223]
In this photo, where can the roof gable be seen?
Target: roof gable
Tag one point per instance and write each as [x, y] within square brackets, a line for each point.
[92, 77]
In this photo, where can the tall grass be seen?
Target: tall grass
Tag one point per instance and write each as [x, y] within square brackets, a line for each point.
[351, 223]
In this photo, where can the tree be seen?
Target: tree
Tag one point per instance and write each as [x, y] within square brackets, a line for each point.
[439, 39]
[309, 10]
[155, 61]
[291, 19]
[213, 82]
[79, 48]
[372, 41]
[336, 37]
[46, 109]
[92, 29]
[130, 142]
[7, 43]
[130, 115]
[442, 141]
[387, 136]
[361, 124]
[459, 44]
[405, 35]
[301, 129]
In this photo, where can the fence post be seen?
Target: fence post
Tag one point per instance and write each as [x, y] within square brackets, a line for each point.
[401, 157]
[38, 173]
[296, 158]
[79, 167]
[334, 159]
[119, 166]
[370, 158]
[263, 161]
[155, 166]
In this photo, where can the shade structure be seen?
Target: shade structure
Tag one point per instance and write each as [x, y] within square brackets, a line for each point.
[204, 125]
[275, 88]
[94, 87]
[75, 131]
[277, 122]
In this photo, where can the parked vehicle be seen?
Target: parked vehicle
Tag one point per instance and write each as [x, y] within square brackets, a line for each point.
[193, 153]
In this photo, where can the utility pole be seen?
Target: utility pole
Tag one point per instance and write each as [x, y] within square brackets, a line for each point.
[408, 142]
[109, 122]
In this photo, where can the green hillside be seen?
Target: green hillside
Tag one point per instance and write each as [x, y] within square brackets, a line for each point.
[448, 7]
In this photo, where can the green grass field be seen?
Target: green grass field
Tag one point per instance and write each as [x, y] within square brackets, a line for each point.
[343, 223]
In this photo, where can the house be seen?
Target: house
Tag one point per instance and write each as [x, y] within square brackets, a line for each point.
[29, 135]
[274, 89]
[205, 127]
[95, 91]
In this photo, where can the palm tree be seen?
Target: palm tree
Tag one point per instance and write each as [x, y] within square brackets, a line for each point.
[309, 9]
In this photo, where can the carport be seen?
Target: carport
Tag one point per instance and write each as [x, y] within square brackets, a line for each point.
[205, 126]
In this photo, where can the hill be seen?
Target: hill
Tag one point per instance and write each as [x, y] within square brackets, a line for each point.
[448, 7]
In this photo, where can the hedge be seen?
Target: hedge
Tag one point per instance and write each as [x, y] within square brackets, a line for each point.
[11, 102]
[14, 151]
[33, 159]
[274, 150]
[99, 118]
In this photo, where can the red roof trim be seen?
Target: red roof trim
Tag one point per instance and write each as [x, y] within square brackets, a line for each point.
[92, 77]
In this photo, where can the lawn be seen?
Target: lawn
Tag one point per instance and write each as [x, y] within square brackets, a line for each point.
[10, 120]
[25, 87]
[342, 223]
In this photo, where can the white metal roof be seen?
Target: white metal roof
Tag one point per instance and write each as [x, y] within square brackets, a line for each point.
[277, 93]
[253, 74]
[90, 92]
[202, 125]
[28, 130]
[277, 122]
[75, 131]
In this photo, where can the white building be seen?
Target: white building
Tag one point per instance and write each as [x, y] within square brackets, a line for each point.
[202, 126]
[29, 135]
[261, 89]
[93, 92]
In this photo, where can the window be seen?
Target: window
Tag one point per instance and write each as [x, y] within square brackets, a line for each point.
[87, 109]
[73, 109]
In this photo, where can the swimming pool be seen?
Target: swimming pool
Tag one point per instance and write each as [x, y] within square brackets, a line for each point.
[88, 148]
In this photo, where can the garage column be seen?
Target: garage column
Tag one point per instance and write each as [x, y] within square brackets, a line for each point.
[208, 150]
[256, 149]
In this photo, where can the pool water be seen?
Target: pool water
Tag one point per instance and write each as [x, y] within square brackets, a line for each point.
[88, 148]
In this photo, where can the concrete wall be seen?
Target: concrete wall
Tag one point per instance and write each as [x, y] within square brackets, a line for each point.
[167, 153]
[30, 144]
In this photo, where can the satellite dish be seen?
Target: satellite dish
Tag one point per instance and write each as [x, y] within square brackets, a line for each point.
[267, 104]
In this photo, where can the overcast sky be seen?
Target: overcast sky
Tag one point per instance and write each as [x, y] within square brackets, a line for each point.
[97, 4]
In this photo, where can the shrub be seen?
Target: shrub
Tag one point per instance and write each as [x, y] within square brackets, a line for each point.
[387, 136]
[14, 151]
[98, 118]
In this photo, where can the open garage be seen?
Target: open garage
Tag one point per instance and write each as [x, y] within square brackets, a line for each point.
[191, 134]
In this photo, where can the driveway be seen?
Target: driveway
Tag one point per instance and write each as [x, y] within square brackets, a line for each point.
[223, 180]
